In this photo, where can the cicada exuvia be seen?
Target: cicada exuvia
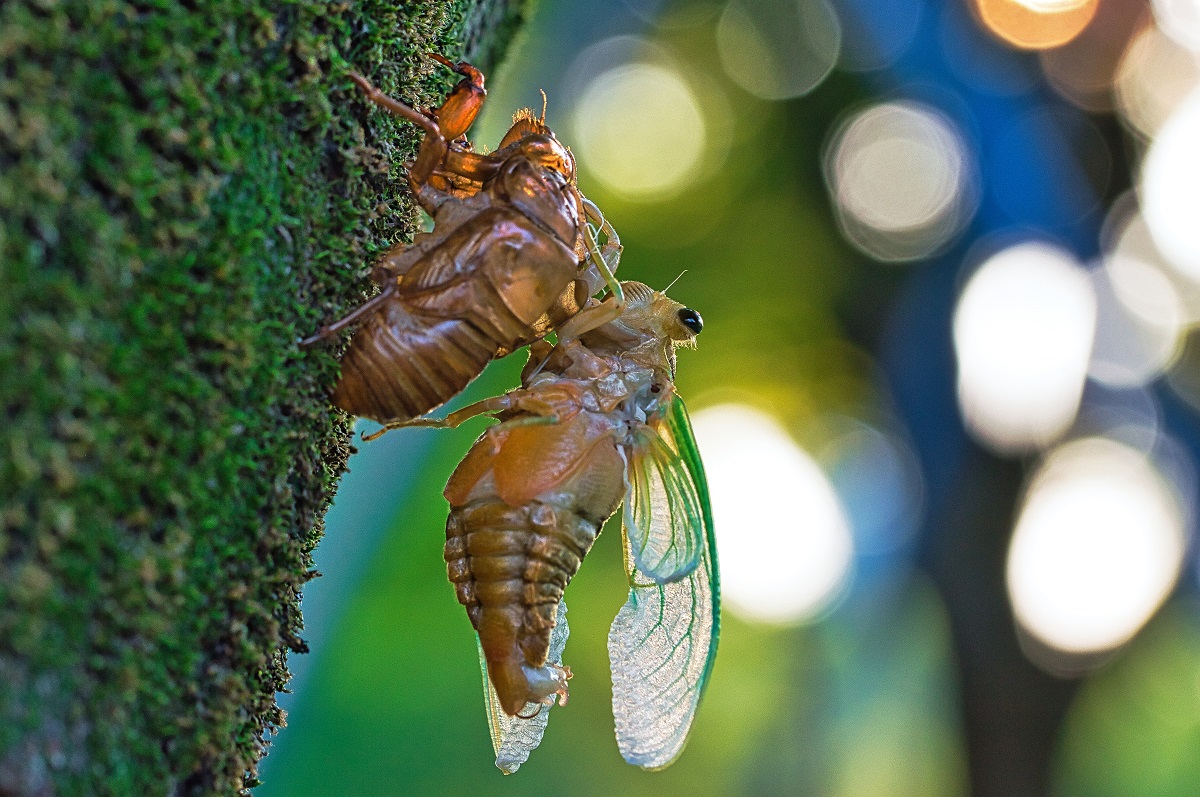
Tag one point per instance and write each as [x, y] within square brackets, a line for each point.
[514, 253]
[596, 422]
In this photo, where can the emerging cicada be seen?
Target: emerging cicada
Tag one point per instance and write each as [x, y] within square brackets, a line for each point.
[596, 421]
[511, 256]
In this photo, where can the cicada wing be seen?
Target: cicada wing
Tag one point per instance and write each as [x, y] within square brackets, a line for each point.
[663, 515]
[513, 738]
[663, 642]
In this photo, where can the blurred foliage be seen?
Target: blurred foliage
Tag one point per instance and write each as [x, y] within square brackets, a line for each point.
[185, 188]
[1134, 728]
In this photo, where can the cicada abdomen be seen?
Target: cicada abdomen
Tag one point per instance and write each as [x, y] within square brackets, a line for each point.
[510, 257]
[478, 290]
[526, 505]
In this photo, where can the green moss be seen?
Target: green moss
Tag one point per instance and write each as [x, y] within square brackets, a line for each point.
[185, 189]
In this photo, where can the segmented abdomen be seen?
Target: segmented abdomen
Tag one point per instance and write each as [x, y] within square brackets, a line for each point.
[400, 366]
[483, 290]
[509, 566]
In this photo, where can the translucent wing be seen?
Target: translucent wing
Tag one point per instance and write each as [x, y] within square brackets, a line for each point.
[513, 738]
[663, 641]
[663, 515]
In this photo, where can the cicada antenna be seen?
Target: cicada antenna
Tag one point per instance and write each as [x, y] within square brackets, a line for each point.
[664, 290]
[543, 119]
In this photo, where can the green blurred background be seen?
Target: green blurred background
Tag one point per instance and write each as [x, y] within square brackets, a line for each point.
[720, 139]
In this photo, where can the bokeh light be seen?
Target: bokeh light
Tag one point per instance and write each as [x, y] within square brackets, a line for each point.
[1130, 239]
[1097, 547]
[1084, 69]
[1171, 188]
[1139, 322]
[640, 130]
[1035, 25]
[1155, 75]
[902, 180]
[1023, 332]
[1179, 19]
[778, 49]
[783, 538]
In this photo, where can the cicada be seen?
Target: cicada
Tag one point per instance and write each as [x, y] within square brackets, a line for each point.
[513, 254]
[596, 422]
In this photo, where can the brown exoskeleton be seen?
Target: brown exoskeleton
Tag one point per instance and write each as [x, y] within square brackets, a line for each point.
[595, 422]
[512, 256]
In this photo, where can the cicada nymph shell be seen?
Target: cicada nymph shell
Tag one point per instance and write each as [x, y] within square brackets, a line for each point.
[510, 257]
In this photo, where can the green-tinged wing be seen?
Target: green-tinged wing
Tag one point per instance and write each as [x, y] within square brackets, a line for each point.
[513, 738]
[663, 642]
[663, 516]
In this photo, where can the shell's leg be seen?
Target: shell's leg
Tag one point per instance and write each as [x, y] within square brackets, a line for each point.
[605, 261]
[456, 115]
[435, 153]
[610, 252]
[433, 147]
[369, 306]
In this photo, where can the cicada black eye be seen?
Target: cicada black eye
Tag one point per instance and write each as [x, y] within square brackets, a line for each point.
[691, 319]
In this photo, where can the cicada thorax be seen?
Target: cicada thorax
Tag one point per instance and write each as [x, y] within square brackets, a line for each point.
[500, 275]
[526, 505]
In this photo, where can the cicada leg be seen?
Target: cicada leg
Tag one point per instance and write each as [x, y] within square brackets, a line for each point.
[597, 315]
[540, 413]
[367, 307]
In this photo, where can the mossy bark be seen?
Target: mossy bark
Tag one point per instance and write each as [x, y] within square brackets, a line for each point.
[186, 187]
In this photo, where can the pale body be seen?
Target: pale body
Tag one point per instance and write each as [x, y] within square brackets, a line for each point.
[530, 497]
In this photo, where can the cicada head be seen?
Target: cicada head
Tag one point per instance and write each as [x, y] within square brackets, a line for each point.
[531, 138]
[658, 315]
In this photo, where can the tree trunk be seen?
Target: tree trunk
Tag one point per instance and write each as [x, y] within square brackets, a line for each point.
[186, 188]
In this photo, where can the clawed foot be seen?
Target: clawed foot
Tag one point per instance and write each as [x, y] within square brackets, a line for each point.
[435, 423]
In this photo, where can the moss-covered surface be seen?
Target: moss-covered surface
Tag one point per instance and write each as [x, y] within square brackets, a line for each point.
[185, 188]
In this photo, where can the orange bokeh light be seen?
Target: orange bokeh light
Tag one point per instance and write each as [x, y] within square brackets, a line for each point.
[1033, 26]
[1084, 70]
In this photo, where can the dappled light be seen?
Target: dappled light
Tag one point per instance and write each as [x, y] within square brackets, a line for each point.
[902, 180]
[640, 130]
[1097, 547]
[783, 537]
[1023, 333]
